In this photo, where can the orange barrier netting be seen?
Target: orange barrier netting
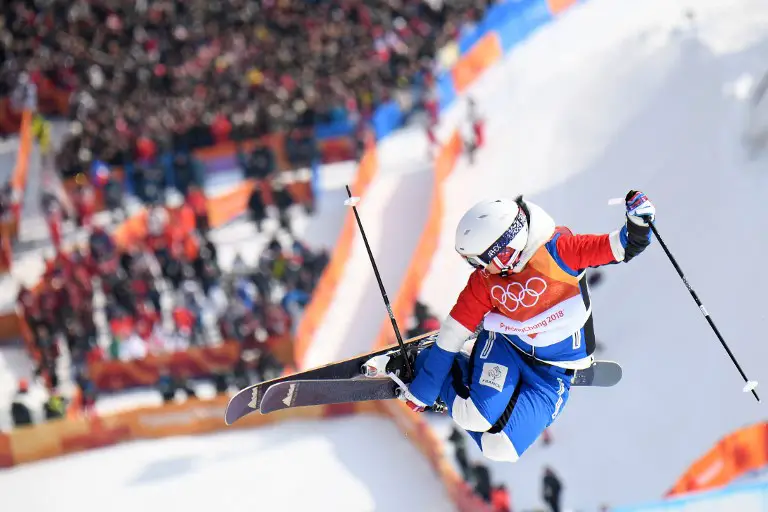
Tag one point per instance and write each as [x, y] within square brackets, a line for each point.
[482, 56]
[559, 6]
[733, 456]
[76, 434]
[21, 170]
[18, 181]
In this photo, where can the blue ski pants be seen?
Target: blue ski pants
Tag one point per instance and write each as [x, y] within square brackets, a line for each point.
[479, 389]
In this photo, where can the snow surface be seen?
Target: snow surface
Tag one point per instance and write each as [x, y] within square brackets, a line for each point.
[614, 96]
[393, 229]
[330, 465]
[393, 213]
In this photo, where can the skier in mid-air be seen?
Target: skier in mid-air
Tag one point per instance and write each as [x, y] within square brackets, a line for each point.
[529, 291]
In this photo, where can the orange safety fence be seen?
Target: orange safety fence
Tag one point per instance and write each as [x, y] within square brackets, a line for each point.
[18, 181]
[482, 56]
[70, 435]
[20, 171]
[77, 434]
[114, 375]
[323, 294]
[733, 456]
[559, 6]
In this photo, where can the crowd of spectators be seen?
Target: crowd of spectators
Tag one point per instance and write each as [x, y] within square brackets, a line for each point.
[148, 76]
[165, 293]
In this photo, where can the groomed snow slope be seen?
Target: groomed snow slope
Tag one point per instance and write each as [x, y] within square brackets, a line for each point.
[620, 95]
[393, 212]
[333, 465]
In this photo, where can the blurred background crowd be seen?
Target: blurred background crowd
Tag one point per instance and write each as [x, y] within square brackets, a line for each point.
[146, 77]
[143, 86]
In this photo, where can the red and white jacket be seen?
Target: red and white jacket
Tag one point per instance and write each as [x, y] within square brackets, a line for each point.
[544, 301]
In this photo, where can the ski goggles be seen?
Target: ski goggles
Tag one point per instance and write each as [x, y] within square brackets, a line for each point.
[478, 262]
[491, 255]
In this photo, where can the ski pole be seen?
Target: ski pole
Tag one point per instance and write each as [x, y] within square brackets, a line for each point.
[352, 201]
[750, 384]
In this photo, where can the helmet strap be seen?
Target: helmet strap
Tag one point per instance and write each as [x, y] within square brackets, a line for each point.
[524, 207]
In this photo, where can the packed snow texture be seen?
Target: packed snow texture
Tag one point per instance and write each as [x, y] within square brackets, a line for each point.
[332, 465]
[616, 96]
[393, 213]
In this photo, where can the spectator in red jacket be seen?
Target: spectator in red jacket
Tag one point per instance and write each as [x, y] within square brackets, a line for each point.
[500, 499]
[85, 204]
[199, 205]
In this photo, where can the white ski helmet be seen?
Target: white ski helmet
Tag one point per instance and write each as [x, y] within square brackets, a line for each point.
[493, 231]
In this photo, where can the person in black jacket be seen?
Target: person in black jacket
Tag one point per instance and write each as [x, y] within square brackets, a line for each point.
[19, 411]
[283, 201]
[460, 451]
[552, 487]
[256, 207]
[482, 481]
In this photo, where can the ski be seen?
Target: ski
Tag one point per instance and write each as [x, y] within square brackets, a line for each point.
[308, 392]
[302, 393]
[602, 374]
[248, 400]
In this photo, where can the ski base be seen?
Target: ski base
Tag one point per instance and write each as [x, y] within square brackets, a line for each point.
[303, 393]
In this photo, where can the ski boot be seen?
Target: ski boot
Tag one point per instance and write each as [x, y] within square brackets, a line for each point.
[393, 363]
[385, 364]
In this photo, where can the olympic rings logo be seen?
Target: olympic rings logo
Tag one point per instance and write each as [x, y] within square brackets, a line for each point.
[516, 294]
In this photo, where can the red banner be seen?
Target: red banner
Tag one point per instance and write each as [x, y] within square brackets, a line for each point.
[193, 362]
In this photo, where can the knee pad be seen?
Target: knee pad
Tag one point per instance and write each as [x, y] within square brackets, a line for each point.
[498, 447]
[466, 415]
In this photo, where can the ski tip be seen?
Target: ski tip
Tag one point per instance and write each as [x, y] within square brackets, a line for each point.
[750, 386]
[230, 414]
[352, 201]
